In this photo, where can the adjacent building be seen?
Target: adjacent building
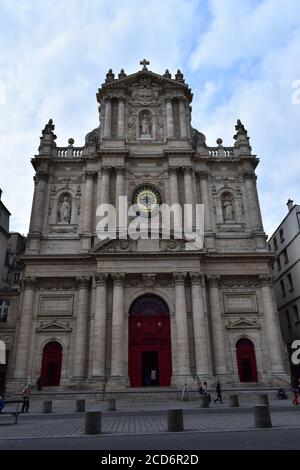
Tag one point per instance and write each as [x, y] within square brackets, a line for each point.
[134, 312]
[285, 242]
[12, 244]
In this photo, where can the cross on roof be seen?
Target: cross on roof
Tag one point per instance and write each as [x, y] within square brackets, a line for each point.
[144, 62]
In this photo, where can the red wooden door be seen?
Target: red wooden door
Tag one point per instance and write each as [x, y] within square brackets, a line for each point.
[51, 364]
[246, 360]
[150, 335]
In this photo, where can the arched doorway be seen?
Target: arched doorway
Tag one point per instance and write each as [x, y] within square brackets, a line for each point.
[149, 342]
[246, 360]
[51, 364]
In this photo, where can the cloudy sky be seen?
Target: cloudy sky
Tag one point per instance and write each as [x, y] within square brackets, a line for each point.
[241, 58]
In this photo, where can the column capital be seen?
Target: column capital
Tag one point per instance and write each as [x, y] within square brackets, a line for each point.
[105, 170]
[187, 170]
[213, 280]
[83, 282]
[42, 175]
[90, 174]
[173, 170]
[179, 278]
[118, 278]
[120, 170]
[30, 282]
[265, 280]
[101, 279]
[250, 175]
[203, 174]
[196, 279]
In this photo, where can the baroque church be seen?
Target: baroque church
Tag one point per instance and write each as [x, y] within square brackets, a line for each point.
[105, 313]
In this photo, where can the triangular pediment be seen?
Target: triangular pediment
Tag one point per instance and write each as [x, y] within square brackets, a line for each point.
[54, 326]
[114, 246]
[146, 78]
[242, 323]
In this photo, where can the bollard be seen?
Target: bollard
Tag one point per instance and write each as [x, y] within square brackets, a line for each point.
[80, 406]
[204, 401]
[47, 406]
[262, 418]
[92, 422]
[234, 401]
[111, 404]
[263, 399]
[175, 421]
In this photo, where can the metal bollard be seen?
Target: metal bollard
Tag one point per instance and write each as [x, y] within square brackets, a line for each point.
[111, 404]
[262, 418]
[175, 421]
[80, 406]
[204, 401]
[263, 399]
[234, 401]
[47, 406]
[93, 422]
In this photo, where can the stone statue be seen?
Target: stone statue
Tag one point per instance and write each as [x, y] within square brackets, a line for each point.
[227, 210]
[145, 125]
[64, 211]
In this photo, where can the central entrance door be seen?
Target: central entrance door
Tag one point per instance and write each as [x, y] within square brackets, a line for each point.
[149, 361]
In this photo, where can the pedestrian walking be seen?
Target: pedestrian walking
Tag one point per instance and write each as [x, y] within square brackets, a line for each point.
[218, 393]
[38, 384]
[2, 404]
[26, 395]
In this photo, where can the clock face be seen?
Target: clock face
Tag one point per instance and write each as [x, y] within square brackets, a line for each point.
[147, 198]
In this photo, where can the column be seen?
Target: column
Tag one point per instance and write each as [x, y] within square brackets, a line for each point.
[183, 355]
[107, 118]
[169, 114]
[252, 201]
[117, 340]
[188, 185]
[88, 201]
[39, 202]
[121, 118]
[182, 118]
[271, 325]
[104, 190]
[25, 332]
[119, 188]
[80, 345]
[201, 338]
[203, 175]
[98, 334]
[174, 199]
[217, 325]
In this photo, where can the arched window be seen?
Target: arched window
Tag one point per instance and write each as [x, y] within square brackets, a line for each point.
[51, 364]
[149, 305]
[246, 360]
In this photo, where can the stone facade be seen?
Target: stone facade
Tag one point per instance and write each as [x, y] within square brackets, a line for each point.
[78, 291]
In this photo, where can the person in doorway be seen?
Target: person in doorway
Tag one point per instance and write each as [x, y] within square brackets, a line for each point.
[38, 384]
[153, 377]
[2, 404]
[218, 393]
[26, 395]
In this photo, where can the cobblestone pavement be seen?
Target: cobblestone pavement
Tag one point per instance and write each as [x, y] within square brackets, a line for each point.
[73, 426]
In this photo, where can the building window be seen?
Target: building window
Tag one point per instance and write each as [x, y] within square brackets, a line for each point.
[290, 281]
[296, 314]
[16, 278]
[285, 256]
[288, 320]
[3, 309]
[282, 288]
[278, 263]
[281, 235]
[275, 243]
[269, 247]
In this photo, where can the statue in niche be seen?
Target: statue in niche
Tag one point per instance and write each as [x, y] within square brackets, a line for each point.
[64, 211]
[145, 126]
[228, 210]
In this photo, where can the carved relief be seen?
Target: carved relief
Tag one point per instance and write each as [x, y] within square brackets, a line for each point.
[144, 92]
[172, 245]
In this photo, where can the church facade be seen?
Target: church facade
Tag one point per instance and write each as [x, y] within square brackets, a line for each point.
[125, 313]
